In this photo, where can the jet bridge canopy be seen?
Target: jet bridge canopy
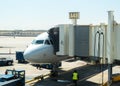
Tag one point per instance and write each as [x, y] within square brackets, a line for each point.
[54, 37]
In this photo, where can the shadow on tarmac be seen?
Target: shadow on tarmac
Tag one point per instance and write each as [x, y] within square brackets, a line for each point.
[65, 78]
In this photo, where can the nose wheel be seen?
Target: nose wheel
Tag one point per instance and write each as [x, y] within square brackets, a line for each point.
[54, 71]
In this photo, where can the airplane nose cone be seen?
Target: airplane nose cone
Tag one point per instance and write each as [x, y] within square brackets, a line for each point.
[29, 52]
[32, 53]
[27, 55]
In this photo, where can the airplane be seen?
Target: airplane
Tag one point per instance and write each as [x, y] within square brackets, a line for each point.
[41, 50]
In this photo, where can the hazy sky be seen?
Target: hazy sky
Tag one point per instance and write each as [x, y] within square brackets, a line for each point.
[43, 14]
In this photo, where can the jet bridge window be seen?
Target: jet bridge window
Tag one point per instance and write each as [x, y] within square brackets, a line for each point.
[37, 41]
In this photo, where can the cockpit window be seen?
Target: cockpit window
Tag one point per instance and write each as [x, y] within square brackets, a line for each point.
[37, 41]
[47, 42]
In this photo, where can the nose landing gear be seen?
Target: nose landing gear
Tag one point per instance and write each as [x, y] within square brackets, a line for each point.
[54, 71]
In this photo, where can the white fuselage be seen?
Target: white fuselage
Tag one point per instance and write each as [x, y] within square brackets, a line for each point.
[41, 51]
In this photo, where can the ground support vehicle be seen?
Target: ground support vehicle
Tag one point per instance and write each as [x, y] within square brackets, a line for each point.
[13, 78]
[6, 61]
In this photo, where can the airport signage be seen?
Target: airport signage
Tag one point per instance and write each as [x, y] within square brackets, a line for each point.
[73, 15]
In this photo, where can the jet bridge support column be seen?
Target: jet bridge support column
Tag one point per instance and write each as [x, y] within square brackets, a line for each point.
[110, 47]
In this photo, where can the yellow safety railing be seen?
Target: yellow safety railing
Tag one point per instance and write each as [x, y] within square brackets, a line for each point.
[37, 78]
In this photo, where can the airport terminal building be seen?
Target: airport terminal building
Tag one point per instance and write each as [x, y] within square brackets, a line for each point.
[23, 33]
